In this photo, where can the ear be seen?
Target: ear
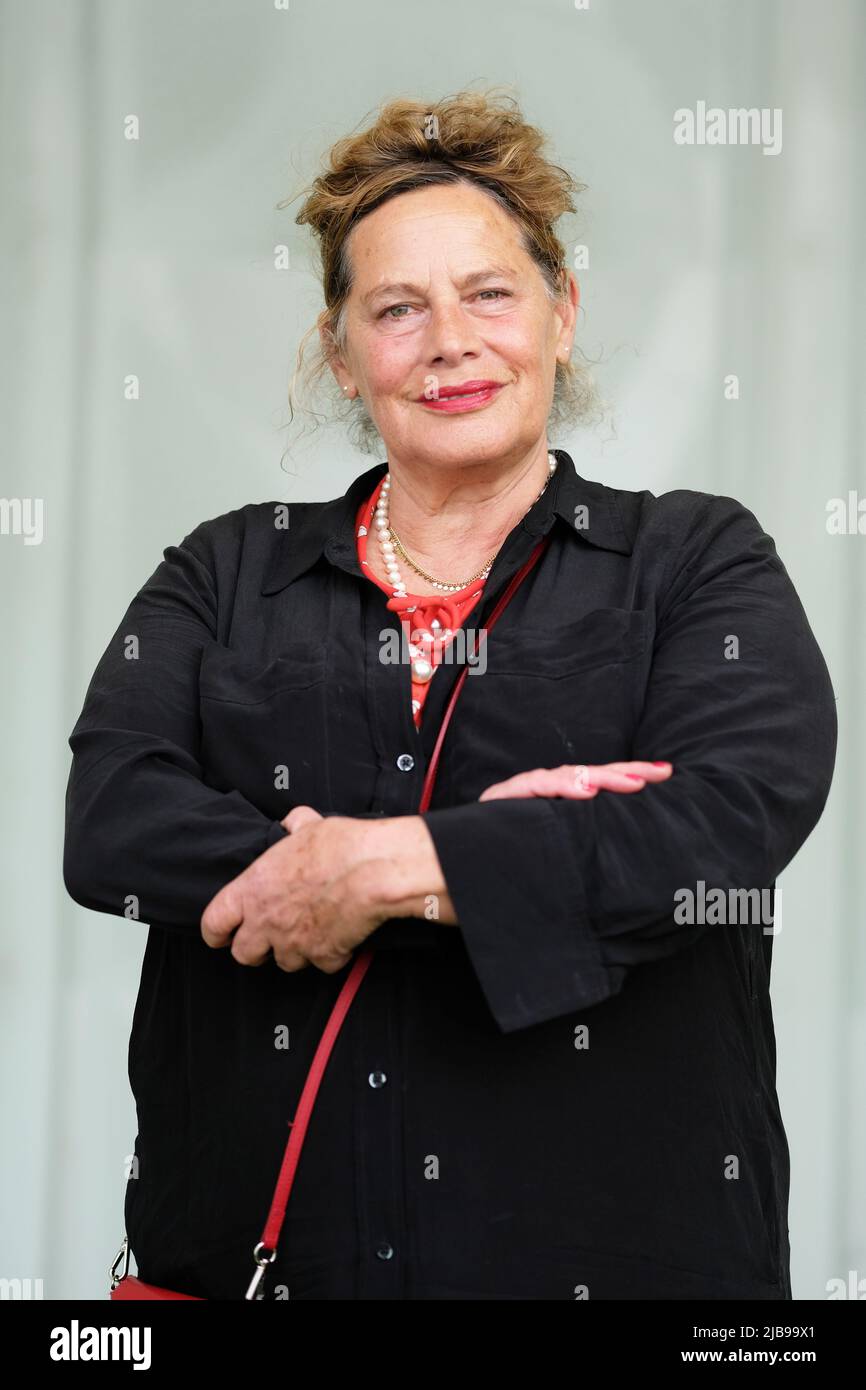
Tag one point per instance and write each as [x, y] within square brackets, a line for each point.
[567, 307]
[332, 356]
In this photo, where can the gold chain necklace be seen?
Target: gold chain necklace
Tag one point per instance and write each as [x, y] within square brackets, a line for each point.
[441, 583]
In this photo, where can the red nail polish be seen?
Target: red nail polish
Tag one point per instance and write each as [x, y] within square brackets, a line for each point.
[661, 764]
[635, 776]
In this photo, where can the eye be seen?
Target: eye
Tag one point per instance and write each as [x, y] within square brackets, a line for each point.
[395, 317]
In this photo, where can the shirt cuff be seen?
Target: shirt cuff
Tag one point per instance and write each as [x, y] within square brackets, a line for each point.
[521, 909]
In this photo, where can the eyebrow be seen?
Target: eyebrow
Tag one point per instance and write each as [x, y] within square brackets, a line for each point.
[405, 287]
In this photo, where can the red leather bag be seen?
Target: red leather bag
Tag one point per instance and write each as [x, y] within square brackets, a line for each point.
[127, 1286]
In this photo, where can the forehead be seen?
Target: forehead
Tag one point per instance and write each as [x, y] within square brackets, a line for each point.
[446, 220]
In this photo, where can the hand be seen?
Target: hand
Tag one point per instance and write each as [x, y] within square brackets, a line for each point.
[407, 881]
[292, 901]
[580, 781]
[311, 898]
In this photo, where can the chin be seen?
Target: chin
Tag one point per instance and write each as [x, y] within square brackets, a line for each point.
[464, 449]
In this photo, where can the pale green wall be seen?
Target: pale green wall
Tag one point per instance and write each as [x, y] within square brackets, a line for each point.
[156, 257]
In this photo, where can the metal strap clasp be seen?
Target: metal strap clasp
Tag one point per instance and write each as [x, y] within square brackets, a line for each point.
[262, 1261]
[122, 1254]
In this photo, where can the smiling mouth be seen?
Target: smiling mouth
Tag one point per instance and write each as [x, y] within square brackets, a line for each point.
[456, 398]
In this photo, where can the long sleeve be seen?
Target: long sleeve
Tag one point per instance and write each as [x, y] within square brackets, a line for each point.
[572, 894]
[145, 836]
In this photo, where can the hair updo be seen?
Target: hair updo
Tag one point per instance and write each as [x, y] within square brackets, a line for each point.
[475, 138]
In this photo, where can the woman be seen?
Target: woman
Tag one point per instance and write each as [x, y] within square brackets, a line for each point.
[558, 1078]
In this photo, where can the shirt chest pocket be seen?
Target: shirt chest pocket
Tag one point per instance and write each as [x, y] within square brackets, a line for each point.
[604, 637]
[263, 725]
[573, 690]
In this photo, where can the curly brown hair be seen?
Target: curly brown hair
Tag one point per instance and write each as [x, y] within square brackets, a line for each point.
[479, 138]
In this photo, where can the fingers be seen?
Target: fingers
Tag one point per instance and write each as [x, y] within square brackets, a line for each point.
[315, 931]
[580, 782]
[298, 816]
[222, 923]
[648, 772]
[628, 777]
[330, 964]
[222, 915]
[251, 947]
[544, 781]
[290, 960]
[258, 915]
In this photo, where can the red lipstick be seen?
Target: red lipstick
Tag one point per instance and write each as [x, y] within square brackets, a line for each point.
[468, 395]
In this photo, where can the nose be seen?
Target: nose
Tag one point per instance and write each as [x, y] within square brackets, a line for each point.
[451, 333]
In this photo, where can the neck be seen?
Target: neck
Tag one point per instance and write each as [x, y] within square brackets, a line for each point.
[451, 520]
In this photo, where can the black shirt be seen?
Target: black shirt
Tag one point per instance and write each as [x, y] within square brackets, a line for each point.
[572, 1093]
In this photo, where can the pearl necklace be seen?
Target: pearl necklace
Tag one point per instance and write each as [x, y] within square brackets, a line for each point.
[389, 543]
[423, 668]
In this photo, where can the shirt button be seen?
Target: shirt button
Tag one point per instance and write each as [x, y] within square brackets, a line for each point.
[405, 762]
[385, 1251]
[377, 1079]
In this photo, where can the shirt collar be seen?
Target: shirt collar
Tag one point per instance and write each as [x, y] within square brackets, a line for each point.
[600, 516]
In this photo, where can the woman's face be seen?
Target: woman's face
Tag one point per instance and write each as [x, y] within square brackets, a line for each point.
[443, 295]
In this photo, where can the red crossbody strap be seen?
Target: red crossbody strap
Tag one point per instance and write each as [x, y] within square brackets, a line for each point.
[513, 584]
[265, 1251]
[360, 966]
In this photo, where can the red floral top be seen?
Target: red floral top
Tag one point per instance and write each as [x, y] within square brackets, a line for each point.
[419, 612]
